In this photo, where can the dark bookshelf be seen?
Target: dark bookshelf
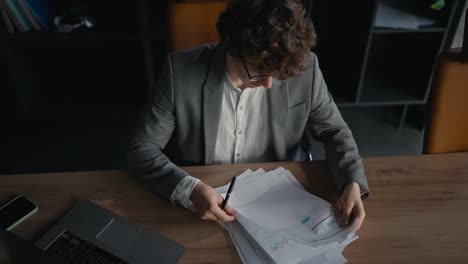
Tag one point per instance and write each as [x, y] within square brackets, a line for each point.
[34, 38]
[381, 67]
[399, 67]
[378, 91]
[106, 70]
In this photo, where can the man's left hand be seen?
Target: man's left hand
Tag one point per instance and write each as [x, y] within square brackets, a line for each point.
[351, 206]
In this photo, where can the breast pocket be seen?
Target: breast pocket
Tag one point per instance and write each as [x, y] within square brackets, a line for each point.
[297, 105]
[297, 118]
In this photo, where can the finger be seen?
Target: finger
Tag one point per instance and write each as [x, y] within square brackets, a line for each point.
[359, 214]
[357, 223]
[345, 214]
[209, 216]
[229, 210]
[219, 199]
[337, 210]
[221, 215]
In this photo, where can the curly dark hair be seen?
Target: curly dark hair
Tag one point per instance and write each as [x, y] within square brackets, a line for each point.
[273, 35]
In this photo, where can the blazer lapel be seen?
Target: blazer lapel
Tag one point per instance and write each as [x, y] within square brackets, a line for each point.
[212, 98]
[278, 106]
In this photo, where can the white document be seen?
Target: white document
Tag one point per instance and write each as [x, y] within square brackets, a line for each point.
[278, 221]
[248, 249]
[391, 17]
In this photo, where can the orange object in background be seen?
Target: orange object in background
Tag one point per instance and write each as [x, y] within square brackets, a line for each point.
[193, 23]
[447, 129]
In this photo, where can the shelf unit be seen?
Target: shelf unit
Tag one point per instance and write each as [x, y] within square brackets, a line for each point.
[105, 71]
[377, 66]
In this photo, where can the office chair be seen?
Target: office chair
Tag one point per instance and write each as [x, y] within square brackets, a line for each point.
[448, 121]
[193, 23]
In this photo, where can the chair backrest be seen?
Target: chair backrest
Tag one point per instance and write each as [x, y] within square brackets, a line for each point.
[447, 126]
[193, 22]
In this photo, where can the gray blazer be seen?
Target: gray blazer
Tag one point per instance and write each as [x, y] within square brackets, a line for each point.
[179, 125]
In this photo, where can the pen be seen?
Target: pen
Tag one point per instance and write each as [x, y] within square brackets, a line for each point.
[228, 194]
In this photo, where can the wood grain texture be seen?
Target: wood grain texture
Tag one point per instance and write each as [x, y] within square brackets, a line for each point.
[416, 212]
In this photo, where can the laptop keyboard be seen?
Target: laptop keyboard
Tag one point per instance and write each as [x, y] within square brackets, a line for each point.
[78, 251]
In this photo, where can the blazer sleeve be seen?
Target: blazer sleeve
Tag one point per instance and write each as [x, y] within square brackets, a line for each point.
[326, 124]
[145, 158]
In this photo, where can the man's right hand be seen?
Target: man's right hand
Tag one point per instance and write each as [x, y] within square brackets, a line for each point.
[207, 203]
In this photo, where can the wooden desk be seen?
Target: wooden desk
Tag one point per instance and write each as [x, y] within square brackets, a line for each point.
[417, 211]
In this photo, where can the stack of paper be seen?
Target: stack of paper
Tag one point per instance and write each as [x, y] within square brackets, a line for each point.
[278, 221]
[391, 17]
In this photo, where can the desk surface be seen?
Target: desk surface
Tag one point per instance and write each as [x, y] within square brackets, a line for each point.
[416, 212]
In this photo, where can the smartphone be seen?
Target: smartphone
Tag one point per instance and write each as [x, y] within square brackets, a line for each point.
[15, 212]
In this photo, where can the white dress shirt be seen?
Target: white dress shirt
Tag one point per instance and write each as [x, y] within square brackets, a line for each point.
[244, 133]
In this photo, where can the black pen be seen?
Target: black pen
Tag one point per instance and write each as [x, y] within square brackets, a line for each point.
[228, 194]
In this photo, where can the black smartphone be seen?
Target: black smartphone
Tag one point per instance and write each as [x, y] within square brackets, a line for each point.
[16, 211]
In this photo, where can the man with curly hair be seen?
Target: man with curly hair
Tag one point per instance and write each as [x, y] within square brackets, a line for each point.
[250, 98]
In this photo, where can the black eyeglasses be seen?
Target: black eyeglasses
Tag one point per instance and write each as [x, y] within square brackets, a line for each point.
[254, 78]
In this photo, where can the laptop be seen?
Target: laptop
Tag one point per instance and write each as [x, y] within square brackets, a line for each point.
[89, 234]
[14, 250]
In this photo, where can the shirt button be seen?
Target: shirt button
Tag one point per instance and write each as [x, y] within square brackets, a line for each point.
[240, 108]
[240, 132]
[238, 154]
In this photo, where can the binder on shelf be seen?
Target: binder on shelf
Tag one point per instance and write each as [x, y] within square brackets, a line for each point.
[23, 23]
[392, 17]
[42, 10]
[27, 11]
[6, 18]
[13, 19]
